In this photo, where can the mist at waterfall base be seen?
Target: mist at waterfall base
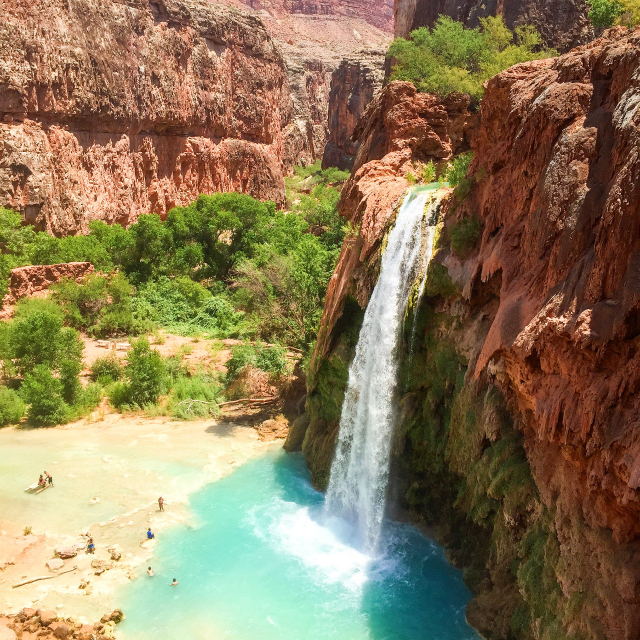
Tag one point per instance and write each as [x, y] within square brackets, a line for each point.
[260, 562]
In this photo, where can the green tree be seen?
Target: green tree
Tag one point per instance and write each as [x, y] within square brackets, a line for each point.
[43, 393]
[12, 408]
[604, 13]
[146, 374]
[450, 58]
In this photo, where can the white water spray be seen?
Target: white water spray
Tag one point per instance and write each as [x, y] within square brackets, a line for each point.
[360, 470]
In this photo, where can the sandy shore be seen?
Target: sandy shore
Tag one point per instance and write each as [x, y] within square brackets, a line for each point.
[108, 475]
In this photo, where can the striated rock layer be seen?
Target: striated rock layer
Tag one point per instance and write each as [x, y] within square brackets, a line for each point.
[353, 85]
[519, 437]
[112, 109]
[562, 23]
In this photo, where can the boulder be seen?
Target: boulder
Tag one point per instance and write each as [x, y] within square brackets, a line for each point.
[100, 566]
[116, 616]
[47, 617]
[85, 632]
[116, 552]
[26, 614]
[7, 634]
[55, 564]
[60, 630]
[67, 552]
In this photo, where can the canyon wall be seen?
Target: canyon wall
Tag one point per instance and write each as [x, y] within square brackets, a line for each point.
[315, 38]
[353, 85]
[112, 109]
[562, 23]
[518, 439]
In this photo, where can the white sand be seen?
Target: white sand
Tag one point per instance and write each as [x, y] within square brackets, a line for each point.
[107, 477]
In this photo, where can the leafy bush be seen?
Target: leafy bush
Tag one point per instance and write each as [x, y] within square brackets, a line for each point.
[12, 408]
[464, 236]
[107, 369]
[450, 58]
[119, 395]
[428, 173]
[186, 307]
[604, 13]
[459, 168]
[43, 393]
[270, 359]
[146, 374]
[197, 388]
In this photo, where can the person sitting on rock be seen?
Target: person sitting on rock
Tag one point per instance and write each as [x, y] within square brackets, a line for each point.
[150, 535]
[90, 546]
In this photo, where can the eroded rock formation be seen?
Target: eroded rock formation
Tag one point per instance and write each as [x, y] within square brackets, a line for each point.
[353, 85]
[112, 109]
[315, 38]
[562, 23]
[519, 408]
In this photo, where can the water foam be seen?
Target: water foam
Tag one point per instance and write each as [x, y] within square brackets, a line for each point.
[359, 473]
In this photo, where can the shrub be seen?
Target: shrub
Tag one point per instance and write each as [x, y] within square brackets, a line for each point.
[270, 359]
[12, 408]
[146, 374]
[119, 395]
[107, 369]
[43, 393]
[411, 179]
[428, 173]
[196, 388]
[604, 13]
[450, 58]
[464, 236]
[459, 168]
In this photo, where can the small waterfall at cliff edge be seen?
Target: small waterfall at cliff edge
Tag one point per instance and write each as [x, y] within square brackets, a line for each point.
[359, 473]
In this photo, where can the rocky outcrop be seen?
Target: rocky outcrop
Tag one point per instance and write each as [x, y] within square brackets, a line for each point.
[353, 85]
[518, 436]
[26, 281]
[113, 109]
[562, 23]
[315, 38]
[32, 623]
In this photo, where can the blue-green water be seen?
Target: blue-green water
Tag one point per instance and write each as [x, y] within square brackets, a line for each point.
[262, 563]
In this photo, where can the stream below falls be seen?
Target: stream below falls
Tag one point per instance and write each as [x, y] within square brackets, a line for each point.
[262, 561]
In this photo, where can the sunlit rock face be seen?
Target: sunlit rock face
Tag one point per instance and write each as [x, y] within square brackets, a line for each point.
[316, 37]
[562, 23]
[113, 109]
[518, 436]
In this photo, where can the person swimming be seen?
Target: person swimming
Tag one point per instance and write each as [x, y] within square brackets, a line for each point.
[174, 583]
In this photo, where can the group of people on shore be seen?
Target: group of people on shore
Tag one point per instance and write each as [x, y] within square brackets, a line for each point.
[45, 480]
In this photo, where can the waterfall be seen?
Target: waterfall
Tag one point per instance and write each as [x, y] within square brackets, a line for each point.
[359, 473]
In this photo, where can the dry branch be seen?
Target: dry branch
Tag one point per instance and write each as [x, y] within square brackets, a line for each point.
[21, 584]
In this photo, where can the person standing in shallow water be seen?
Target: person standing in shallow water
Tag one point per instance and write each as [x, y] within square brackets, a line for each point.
[150, 572]
[174, 583]
[49, 478]
[161, 503]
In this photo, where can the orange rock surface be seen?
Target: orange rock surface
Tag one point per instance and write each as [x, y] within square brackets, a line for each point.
[114, 109]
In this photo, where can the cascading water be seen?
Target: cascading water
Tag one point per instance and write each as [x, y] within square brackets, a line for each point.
[360, 469]
[429, 236]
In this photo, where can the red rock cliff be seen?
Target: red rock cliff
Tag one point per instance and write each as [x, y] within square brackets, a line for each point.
[519, 434]
[112, 109]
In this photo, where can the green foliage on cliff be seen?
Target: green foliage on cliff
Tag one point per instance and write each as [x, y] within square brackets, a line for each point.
[12, 408]
[604, 13]
[450, 58]
[464, 236]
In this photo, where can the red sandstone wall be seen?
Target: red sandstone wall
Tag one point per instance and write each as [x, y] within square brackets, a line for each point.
[111, 109]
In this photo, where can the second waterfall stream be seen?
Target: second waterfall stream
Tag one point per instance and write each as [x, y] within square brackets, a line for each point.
[360, 470]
